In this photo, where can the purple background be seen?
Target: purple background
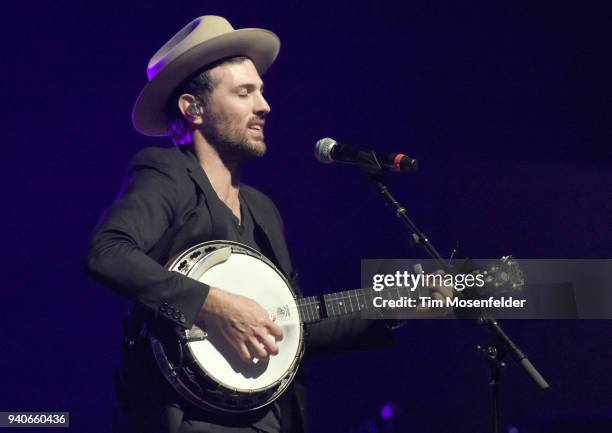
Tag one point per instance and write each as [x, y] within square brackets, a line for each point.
[507, 107]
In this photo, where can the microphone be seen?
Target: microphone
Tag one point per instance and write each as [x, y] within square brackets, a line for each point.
[328, 150]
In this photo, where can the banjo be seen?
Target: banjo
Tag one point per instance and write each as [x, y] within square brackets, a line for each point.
[205, 369]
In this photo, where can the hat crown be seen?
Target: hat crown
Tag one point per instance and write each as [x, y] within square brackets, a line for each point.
[197, 31]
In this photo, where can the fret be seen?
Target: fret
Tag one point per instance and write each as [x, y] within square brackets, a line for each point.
[342, 303]
[305, 309]
[308, 312]
[302, 309]
[368, 297]
[364, 300]
[332, 305]
[317, 310]
[337, 305]
[346, 298]
[352, 295]
[355, 296]
[350, 302]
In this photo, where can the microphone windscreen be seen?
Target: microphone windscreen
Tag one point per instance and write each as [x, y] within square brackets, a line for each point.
[323, 149]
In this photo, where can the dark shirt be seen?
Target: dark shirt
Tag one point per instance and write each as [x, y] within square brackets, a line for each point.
[242, 231]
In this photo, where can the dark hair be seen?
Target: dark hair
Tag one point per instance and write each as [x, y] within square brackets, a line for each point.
[200, 85]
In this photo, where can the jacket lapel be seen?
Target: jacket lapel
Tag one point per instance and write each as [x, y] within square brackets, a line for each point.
[273, 234]
[197, 174]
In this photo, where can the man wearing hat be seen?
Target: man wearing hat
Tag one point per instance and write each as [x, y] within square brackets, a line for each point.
[205, 92]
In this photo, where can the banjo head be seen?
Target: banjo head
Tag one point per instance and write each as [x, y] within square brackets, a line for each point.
[230, 383]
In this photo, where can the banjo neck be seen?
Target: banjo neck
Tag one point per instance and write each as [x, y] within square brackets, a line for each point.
[500, 277]
[315, 308]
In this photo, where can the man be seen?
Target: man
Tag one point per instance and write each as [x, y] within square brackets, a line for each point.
[205, 90]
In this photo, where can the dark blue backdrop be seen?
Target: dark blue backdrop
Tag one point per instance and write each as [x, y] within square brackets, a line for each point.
[507, 106]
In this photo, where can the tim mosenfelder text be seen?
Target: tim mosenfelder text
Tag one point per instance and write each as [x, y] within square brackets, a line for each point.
[421, 281]
[428, 302]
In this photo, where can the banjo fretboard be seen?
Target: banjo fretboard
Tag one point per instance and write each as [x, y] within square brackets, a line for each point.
[315, 308]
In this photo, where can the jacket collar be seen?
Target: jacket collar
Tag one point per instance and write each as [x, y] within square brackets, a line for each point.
[195, 170]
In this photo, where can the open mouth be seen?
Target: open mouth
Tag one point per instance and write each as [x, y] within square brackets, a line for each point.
[256, 127]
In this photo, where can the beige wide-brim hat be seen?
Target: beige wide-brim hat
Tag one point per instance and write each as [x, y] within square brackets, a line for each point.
[201, 42]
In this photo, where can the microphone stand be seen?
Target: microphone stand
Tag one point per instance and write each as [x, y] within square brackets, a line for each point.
[416, 235]
[500, 344]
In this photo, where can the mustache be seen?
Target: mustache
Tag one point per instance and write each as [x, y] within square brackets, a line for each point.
[256, 122]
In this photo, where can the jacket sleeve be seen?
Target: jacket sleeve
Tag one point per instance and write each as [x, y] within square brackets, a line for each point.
[117, 255]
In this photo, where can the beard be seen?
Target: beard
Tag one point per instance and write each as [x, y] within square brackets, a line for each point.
[231, 138]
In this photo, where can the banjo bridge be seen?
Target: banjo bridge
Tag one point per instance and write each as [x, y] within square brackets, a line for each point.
[282, 312]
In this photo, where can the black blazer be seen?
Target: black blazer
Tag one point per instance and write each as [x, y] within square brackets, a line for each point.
[167, 205]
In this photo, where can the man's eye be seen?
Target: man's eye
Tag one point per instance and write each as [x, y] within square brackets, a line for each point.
[243, 94]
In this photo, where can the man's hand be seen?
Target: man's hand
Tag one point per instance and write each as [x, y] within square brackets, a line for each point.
[442, 293]
[243, 322]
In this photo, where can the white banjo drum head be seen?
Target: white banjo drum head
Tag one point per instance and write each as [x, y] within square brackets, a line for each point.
[249, 276]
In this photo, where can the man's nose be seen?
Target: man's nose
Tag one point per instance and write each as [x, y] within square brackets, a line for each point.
[262, 108]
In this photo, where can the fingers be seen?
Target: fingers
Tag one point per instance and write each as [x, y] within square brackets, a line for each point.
[275, 330]
[437, 295]
[269, 343]
[253, 348]
[442, 292]
[268, 334]
[445, 292]
[243, 352]
[256, 348]
[271, 334]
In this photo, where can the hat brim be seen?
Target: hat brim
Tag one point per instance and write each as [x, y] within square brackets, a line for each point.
[261, 46]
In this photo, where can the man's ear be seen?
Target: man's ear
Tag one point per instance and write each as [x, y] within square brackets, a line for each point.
[191, 108]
